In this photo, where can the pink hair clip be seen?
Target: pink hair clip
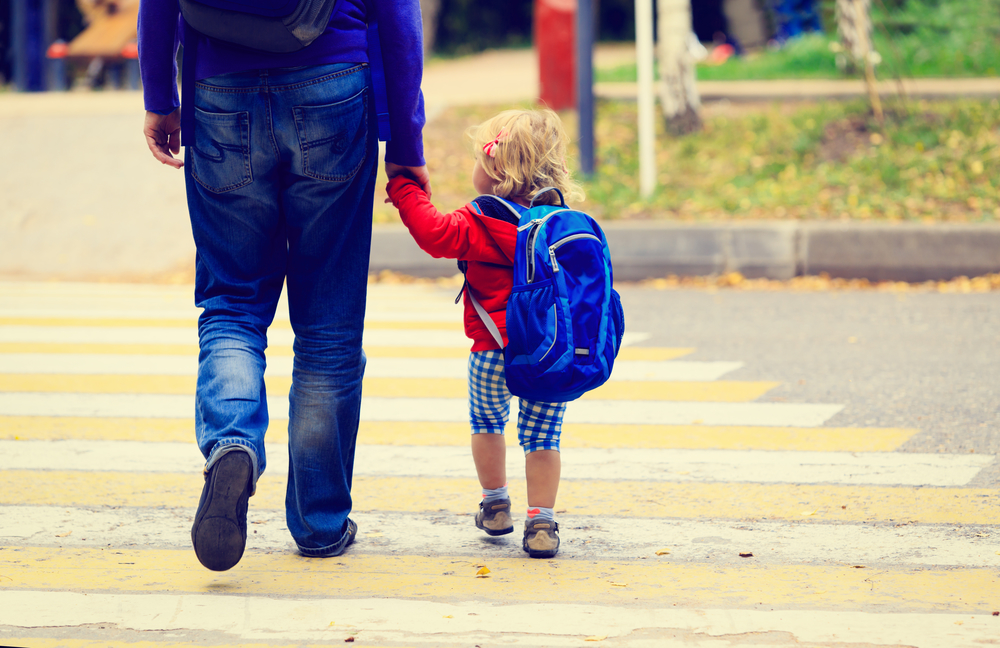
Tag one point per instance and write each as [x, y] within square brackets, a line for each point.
[490, 148]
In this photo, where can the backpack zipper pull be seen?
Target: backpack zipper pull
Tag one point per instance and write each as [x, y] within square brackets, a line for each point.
[552, 257]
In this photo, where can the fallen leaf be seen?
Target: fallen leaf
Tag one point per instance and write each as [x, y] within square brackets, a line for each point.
[807, 513]
[857, 566]
[960, 623]
[596, 638]
[664, 552]
[448, 616]
[746, 554]
[63, 535]
[996, 614]
[614, 584]
[483, 572]
[349, 640]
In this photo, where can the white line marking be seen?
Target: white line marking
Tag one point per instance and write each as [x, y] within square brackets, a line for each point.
[585, 537]
[386, 621]
[654, 464]
[173, 335]
[434, 409]
[187, 365]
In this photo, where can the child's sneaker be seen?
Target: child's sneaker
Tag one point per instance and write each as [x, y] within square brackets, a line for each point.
[494, 517]
[541, 538]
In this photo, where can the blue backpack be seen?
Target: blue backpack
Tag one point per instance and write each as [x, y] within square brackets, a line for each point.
[564, 319]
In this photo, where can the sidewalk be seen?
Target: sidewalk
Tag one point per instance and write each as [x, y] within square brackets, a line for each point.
[80, 197]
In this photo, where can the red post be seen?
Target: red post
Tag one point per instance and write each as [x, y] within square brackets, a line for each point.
[555, 40]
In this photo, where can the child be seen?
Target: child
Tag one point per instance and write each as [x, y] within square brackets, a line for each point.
[517, 153]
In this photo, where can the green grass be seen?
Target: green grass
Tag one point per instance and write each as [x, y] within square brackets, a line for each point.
[930, 162]
[918, 38]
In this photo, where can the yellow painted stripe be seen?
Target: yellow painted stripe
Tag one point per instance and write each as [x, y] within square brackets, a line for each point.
[717, 391]
[99, 348]
[649, 354]
[574, 435]
[178, 322]
[451, 578]
[652, 354]
[336, 634]
[169, 322]
[803, 503]
[191, 350]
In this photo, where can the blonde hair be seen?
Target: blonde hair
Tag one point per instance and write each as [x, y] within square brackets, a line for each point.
[529, 155]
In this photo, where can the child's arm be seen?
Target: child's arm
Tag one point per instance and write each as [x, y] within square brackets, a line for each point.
[457, 235]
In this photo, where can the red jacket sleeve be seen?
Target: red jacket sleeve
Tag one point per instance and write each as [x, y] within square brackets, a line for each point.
[461, 234]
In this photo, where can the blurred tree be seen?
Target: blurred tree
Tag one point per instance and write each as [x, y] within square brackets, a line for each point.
[679, 94]
[854, 27]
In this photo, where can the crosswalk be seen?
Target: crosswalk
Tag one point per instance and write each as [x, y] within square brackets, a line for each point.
[691, 511]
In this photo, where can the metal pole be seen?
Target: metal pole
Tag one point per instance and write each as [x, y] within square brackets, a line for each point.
[647, 125]
[585, 83]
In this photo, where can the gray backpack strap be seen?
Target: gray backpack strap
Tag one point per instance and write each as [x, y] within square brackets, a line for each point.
[487, 320]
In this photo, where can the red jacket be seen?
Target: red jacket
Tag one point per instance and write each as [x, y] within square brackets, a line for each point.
[466, 234]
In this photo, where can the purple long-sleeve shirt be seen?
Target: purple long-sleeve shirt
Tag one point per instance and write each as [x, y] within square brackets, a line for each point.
[345, 40]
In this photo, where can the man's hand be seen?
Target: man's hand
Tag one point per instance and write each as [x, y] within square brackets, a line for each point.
[163, 136]
[417, 174]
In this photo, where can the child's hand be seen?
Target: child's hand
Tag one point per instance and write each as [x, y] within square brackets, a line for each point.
[417, 174]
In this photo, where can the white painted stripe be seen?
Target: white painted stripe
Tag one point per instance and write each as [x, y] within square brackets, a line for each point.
[171, 335]
[387, 621]
[425, 535]
[434, 409]
[187, 365]
[671, 465]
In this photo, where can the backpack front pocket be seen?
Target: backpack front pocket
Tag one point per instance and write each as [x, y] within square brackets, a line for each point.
[532, 323]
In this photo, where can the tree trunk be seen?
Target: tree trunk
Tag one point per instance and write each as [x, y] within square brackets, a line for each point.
[679, 94]
[855, 30]
[854, 24]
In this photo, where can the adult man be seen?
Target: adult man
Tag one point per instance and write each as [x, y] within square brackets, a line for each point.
[280, 175]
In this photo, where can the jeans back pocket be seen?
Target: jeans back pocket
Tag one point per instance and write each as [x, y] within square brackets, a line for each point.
[220, 156]
[333, 138]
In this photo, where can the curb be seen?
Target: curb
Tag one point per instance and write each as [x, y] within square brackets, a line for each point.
[819, 89]
[772, 250]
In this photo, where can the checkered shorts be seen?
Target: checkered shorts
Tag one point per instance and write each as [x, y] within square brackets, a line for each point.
[538, 424]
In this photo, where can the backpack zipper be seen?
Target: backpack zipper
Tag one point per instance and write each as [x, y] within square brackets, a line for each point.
[572, 237]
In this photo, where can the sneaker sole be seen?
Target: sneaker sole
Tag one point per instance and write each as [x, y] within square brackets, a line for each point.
[542, 553]
[217, 537]
[497, 532]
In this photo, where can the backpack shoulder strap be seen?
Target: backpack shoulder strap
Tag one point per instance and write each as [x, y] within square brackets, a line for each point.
[498, 208]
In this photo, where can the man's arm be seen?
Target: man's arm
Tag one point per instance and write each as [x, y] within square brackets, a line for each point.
[401, 36]
[158, 42]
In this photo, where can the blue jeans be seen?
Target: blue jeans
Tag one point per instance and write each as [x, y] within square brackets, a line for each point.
[280, 184]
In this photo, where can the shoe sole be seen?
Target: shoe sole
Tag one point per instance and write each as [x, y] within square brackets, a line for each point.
[217, 537]
[542, 553]
[497, 532]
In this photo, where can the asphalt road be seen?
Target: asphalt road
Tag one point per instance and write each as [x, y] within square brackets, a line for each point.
[922, 360]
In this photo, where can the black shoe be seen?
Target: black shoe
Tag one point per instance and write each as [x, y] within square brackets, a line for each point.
[219, 533]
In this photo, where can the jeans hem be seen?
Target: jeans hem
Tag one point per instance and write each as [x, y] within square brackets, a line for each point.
[229, 445]
[328, 551]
